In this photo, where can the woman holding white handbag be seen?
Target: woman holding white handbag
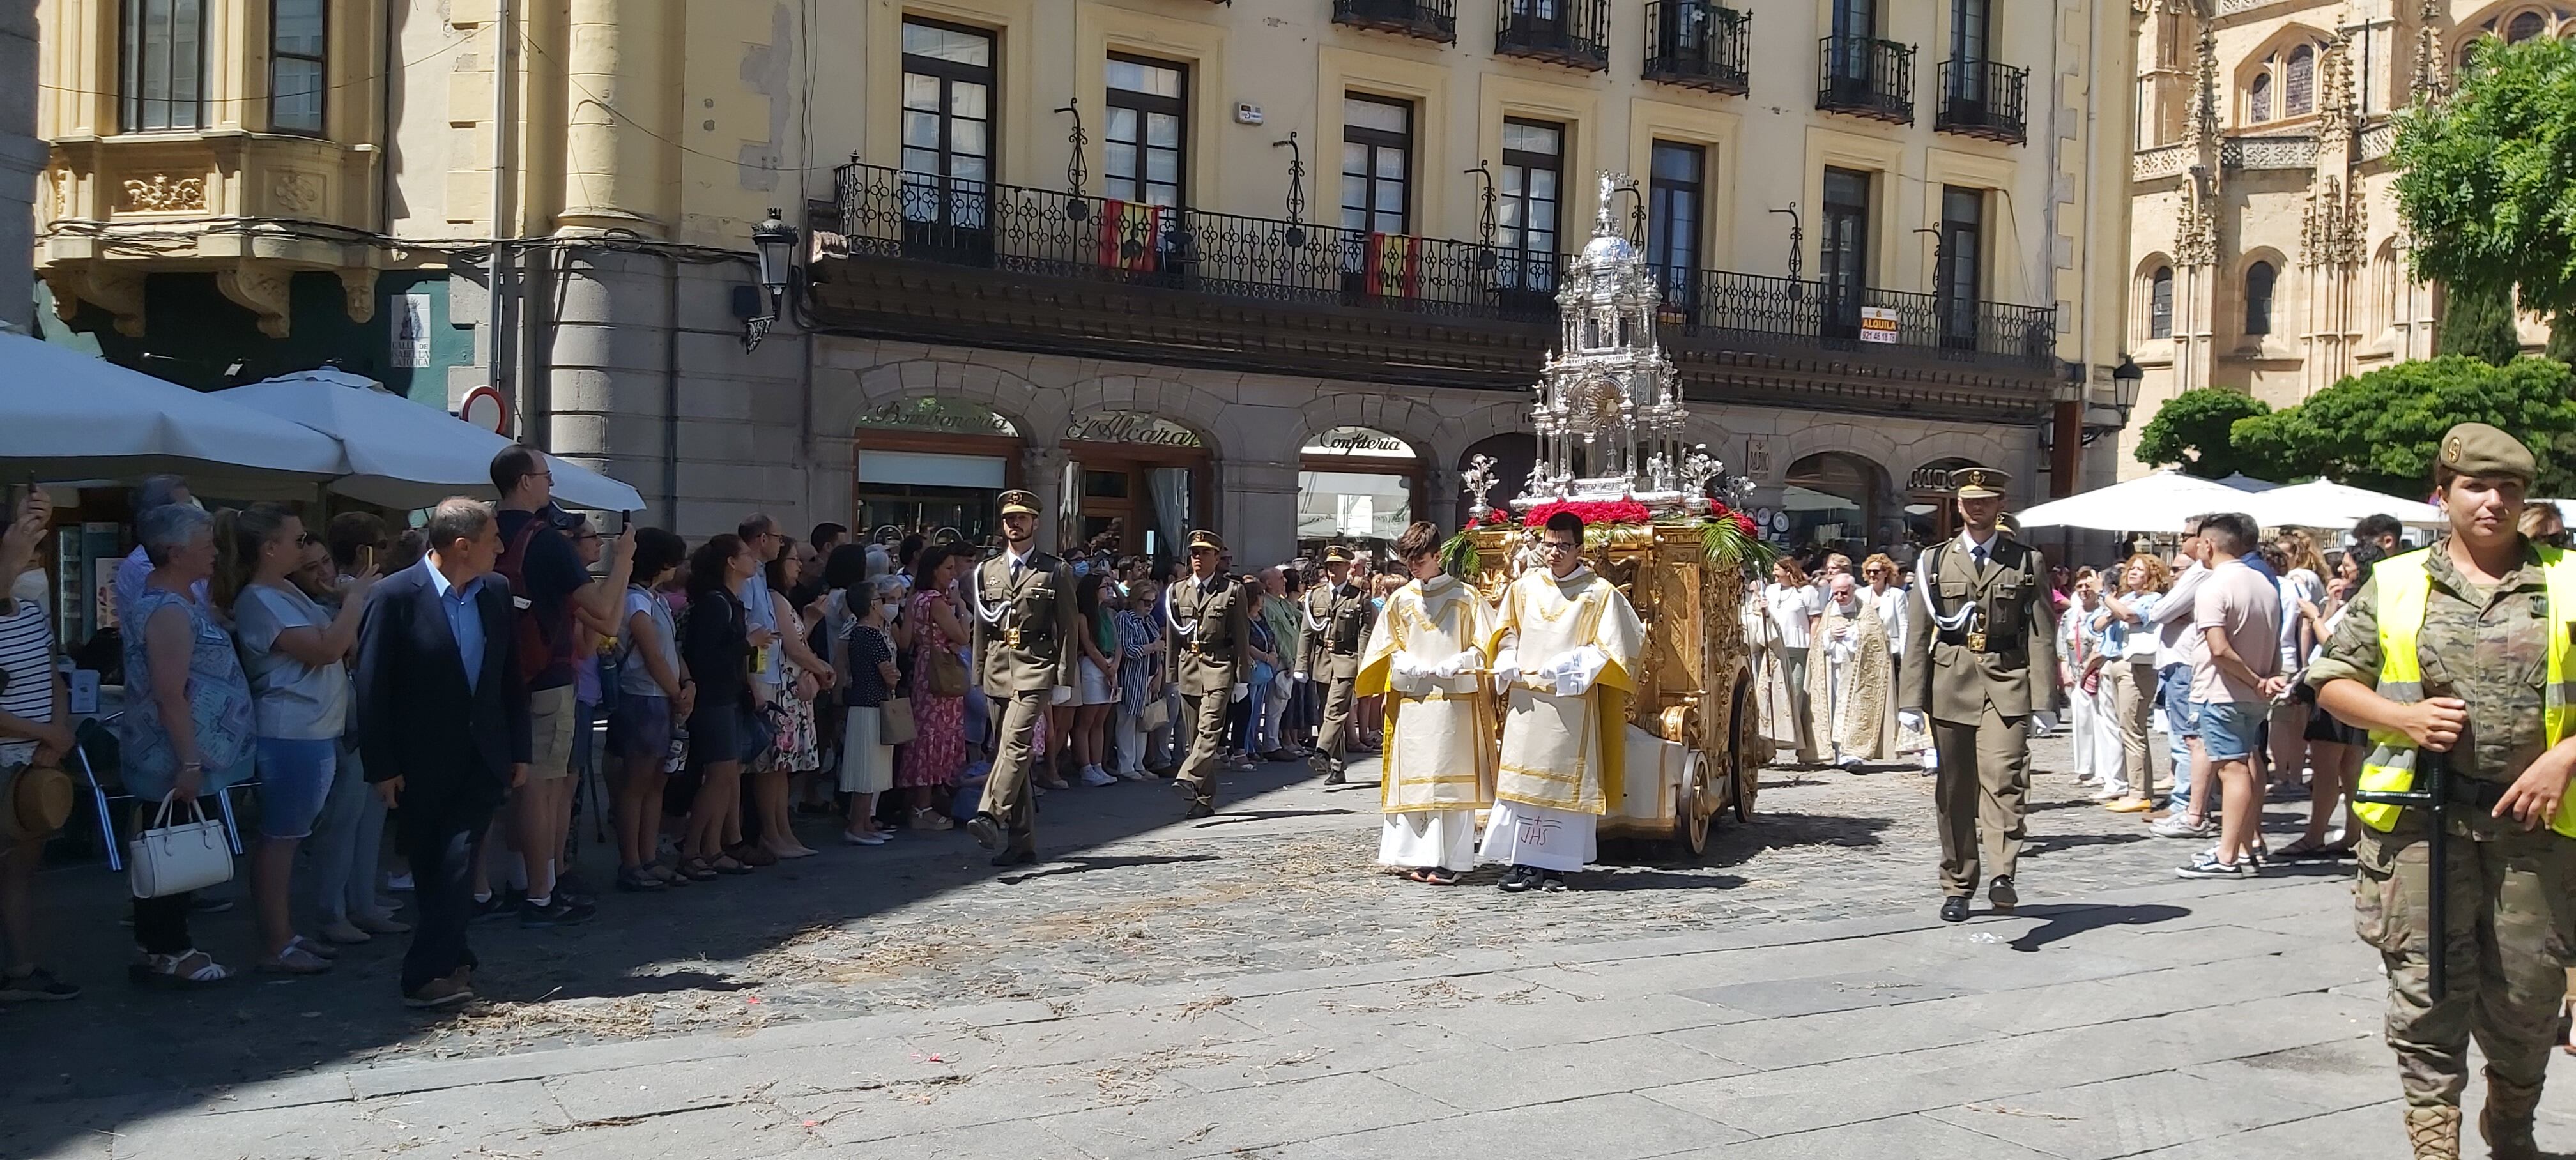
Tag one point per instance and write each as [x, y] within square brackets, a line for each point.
[187, 730]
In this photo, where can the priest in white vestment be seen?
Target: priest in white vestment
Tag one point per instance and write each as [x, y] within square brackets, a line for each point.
[1426, 655]
[1850, 679]
[1567, 649]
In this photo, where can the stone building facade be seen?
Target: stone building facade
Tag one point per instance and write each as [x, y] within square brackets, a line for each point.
[1274, 266]
[2267, 255]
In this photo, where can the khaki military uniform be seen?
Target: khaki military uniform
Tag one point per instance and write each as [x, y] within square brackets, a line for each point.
[2512, 894]
[1337, 627]
[1026, 631]
[1208, 646]
[1978, 683]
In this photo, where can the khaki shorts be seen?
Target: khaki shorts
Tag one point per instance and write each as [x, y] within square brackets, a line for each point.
[550, 734]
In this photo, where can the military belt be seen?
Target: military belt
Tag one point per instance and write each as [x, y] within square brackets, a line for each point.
[2479, 795]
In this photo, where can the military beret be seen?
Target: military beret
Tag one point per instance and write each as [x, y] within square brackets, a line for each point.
[2478, 449]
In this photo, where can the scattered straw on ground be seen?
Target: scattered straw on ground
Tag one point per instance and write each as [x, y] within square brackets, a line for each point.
[1137, 1079]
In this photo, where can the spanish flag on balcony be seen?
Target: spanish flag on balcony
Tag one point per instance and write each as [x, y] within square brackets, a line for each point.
[1131, 235]
[1394, 265]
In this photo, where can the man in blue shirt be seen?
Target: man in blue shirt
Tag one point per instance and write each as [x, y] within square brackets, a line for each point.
[442, 727]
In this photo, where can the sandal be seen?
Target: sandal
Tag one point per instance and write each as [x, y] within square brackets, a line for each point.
[696, 870]
[2305, 850]
[1440, 876]
[185, 971]
[751, 855]
[295, 960]
[726, 864]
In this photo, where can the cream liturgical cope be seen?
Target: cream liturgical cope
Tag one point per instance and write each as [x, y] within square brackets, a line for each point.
[1427, 655]
[1571, 648]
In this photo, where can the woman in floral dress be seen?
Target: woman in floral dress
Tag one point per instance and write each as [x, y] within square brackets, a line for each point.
[937, 751]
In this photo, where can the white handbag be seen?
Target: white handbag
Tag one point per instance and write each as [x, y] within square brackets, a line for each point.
[175, 856]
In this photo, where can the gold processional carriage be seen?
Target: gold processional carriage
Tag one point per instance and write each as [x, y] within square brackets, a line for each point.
[1610, 424]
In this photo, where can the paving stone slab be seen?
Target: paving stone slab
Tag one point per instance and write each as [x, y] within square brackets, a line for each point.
[1607, 1127]
[1247, 1120]
[1491, 1080]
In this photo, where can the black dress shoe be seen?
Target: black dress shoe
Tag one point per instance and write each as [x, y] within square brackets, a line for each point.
[2001, 895]
[1551, 882]
[986, 829]
[1520, 878]
[1200, 807]
[1954, 908]
[1018, 855]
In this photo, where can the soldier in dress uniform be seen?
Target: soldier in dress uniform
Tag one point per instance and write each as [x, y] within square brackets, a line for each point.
[2466, 650]
[1976, 663]
[1026, 635]
[1208, 643]
[1337, 624]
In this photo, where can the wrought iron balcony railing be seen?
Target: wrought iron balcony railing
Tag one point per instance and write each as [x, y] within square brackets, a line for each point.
[889, 214]
[1866, 77]
[1573, 33]
[1427, 19]
[1982, 98]
[1698, 44]
[1754, 308]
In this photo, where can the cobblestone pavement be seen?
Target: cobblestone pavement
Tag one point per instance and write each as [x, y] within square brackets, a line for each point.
[1131, 902]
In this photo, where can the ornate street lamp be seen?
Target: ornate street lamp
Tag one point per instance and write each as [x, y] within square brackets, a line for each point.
[775, 243]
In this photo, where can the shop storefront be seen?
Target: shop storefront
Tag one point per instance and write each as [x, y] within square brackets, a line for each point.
[1134, 484]
[1834, 501]
[1355, 486]
[933, 466]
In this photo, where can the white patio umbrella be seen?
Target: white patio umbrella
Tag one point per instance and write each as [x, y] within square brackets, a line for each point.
[2243, 482]
[66, 416]
[2322, 504]
[404, 455]
[2153, 503]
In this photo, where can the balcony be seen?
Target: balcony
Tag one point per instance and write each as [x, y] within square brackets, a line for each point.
[1573, 33]
[1698, 44]
[1866, 77]
[1980, 98]
[914, 256]
[1425, 19]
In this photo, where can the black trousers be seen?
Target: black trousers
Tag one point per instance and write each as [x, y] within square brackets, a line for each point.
[439, 842]
[161, 924]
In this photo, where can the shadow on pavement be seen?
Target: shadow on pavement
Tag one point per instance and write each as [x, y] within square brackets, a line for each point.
[1236, 818]
[1731, 843]
[2061, 922]
[1085, 865]
[2052, 843]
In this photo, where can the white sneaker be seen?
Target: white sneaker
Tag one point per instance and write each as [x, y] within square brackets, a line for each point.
[2108, 794]
[1094, 775]
[1131, 775]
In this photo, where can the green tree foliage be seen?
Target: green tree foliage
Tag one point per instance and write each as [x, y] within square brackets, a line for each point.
[2379, 430]
[2191, 429]
[2562, 339]
[2477, 322]
[2486, 177]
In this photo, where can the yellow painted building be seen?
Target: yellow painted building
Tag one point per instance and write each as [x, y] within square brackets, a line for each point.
[2266, 255]
[1297, 269]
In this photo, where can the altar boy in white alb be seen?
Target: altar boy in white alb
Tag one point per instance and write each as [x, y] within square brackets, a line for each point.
[1566, 653]
[1427, 655]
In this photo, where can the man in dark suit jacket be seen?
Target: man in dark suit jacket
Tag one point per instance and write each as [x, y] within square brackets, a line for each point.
[443, 728]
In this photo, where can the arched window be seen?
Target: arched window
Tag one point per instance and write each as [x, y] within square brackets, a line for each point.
[2258, 100]
[2299, 83]
[2160, 304]
[2258, 298]
[2524, 26]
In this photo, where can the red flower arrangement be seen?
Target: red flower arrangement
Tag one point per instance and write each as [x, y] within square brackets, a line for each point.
[1602, 511]
[1743, 522]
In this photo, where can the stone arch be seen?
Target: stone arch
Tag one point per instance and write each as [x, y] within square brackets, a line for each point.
[1845, 437]
[2497, 19]
[1413, 422]
[2270, 59]
[1457, 433]
[1005, 394]
[2142, 292]
[1204, 412]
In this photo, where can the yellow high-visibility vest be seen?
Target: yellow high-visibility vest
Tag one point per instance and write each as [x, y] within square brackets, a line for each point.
[2405, 589]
